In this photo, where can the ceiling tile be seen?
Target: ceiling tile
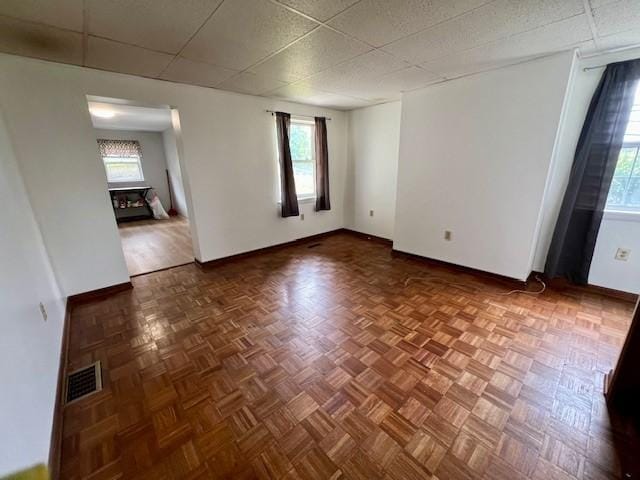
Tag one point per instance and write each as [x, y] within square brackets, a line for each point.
[486, 24]
[196, 73]
[617, 40]
[551, 38]
[303, 93]
[250, 83]
[124, 58]
[379, 22]
[244, 31]
[40, 41]
[163, 25]
[390, 86]
[61, 13]
[617, 17]
[346, 77]
[319, 9]
[600, 3]
[320, 49]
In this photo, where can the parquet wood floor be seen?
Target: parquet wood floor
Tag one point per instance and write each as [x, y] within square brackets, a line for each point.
[320, 363]
[151, 245]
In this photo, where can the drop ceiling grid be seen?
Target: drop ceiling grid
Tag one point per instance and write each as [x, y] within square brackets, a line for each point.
[364, 50]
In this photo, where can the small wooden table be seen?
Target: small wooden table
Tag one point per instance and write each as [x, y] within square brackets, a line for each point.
[130, 203]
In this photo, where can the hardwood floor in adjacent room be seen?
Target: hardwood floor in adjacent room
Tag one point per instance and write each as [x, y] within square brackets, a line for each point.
[151, 245]
[337, 360]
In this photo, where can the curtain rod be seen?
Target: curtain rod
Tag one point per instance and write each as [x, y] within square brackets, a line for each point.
[296, 115]
[586, 69]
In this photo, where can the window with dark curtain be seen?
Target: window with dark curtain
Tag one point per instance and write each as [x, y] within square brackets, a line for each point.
[322, 166]
[289, 198]
[594, 164]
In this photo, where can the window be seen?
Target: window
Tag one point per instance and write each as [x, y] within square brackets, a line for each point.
[122, 160]
[624, 194]
[302, 144]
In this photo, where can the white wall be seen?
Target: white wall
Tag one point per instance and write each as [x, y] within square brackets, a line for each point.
[29, 346]
[374, 135]
[474, 159]
[616, 230]
[154, 163]
[228, 162]
[175, 175]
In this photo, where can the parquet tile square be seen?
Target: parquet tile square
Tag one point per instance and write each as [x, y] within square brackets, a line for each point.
[327, 363]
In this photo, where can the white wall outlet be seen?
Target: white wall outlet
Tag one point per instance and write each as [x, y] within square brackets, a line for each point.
[447, 235]
[302, 216]
[622, 254]
[371, 213]
[43, 312]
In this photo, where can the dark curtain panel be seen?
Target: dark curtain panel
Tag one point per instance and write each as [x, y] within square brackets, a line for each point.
[574, 238]
[322, 166]
[287, 180]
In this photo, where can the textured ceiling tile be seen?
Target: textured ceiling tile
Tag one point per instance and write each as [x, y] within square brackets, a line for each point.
[346, 77]
[617, 40]
[120, 57]
[319, 50]
[244, 31]
[61, 13]
[163, 25]
[600, 3]
[379, 22]
[319, 9]
[573, 32]
[250, 83]
[303, 93]
[617, 17]
[390, 86]
[40, 41]
[489, 23]
[196, 73]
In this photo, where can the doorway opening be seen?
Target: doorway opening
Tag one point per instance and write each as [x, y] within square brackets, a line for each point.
[138, 147]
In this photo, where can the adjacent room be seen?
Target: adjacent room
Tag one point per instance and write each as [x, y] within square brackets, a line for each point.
[138, 148]
[329, 239]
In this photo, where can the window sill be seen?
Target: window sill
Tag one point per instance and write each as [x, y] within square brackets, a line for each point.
[302, 201]
[621, 215]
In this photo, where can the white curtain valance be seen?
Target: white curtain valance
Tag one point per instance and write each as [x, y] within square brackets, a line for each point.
[119, 148]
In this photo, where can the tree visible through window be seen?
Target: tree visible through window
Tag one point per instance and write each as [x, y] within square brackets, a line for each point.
[302, 145]
[624, 194]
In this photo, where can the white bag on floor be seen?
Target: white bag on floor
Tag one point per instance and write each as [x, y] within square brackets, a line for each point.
[156, 207]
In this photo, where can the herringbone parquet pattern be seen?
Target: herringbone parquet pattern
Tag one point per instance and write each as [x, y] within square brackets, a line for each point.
[318, 363]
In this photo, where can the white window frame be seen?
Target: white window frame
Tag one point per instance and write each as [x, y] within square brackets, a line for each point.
[306, 122]
[110, 160]
[133, 158]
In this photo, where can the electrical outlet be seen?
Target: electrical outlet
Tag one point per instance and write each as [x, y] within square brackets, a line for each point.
[43, 312]
[622, 254]
[371, 213]
[302, 216]
[447, 235]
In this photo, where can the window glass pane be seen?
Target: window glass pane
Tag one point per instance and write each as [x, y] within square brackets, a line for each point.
[616, 192]
[303, 174]
[123, 169]
[633, 193]
[301, 142]
[625, 162]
